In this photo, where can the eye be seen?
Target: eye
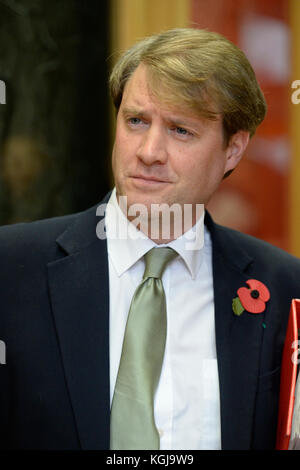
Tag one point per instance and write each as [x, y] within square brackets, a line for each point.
[134, 121]
[181, 132]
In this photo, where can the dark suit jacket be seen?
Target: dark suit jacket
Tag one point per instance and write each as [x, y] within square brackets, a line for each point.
[54, 320]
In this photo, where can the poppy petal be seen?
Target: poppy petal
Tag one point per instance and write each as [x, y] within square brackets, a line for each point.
[249, 303]
[264, 293]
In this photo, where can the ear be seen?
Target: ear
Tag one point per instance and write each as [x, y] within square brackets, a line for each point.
[235, 149]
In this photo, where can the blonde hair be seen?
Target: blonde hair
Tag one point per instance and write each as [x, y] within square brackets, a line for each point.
[199, 69]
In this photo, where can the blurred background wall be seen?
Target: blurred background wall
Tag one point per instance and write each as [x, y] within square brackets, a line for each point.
[255, 200]
[54, 126]
[57, 126]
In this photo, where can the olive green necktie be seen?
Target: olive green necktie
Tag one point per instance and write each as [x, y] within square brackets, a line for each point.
[132, 413]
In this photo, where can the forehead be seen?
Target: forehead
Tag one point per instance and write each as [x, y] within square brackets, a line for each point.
[139, 94]
[139, 97]
[138, 86]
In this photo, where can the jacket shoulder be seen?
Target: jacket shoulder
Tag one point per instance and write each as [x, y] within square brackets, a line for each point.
[32, 234]
[270, 257]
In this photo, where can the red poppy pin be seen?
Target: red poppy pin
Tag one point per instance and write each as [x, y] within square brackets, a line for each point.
[252, 299]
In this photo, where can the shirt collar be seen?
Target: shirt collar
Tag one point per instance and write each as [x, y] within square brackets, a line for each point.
[127, 244]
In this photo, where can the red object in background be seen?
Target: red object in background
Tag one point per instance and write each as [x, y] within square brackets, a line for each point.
[288, 379]
[255, 198]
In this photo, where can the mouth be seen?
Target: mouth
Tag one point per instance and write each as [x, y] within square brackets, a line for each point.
[148, 179]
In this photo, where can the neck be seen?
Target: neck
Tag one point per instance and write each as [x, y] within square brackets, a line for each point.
[164, 223]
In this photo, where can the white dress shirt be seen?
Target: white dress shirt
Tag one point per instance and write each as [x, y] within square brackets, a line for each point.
[187, 404]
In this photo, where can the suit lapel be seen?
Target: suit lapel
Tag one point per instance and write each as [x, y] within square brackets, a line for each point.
[238, 341]
[79, 288]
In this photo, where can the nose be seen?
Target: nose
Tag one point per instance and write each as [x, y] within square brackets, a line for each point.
[152, 148]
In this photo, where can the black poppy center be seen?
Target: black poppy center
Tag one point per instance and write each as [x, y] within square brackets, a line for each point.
[254, 294]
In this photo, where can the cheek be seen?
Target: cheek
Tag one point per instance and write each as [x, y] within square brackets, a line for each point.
[118, 153]
[202, 172]
[123, 149]
[113, 157]
[118, 161]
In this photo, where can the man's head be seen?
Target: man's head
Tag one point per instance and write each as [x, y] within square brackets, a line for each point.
[187, 101]
[200, 70]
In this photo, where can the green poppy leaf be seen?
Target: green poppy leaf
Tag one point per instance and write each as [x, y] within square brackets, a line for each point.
[237, 306]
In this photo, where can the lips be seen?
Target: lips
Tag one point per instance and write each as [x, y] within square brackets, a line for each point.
[149, 179]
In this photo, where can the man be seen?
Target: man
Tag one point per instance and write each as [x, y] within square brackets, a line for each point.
[73, 293]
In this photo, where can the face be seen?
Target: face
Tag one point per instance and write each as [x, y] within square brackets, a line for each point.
[168, 154]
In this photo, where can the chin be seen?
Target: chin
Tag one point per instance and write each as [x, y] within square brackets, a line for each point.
[140, 199]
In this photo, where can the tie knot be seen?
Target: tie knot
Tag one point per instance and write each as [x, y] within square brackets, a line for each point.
[156, 261]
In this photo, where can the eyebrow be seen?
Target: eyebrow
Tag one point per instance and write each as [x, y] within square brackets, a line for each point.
[176, 120]
[135, 111]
